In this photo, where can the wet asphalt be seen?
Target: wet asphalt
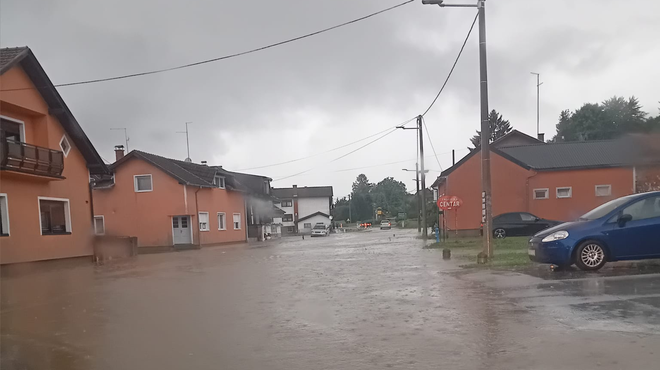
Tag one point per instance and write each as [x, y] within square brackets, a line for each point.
[368, 300]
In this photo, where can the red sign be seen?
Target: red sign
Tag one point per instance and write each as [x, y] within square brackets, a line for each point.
[449, 202]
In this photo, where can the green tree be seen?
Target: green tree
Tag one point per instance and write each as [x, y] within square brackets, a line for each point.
[361, 202]
[340, 211]
[610, 119]
[390, 195]
[498, 128]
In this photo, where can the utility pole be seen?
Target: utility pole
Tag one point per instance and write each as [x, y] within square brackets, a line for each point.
[350, 217]
[187, 141]
[418, 197]
[126, 138]
[423, 187]
[487, 215]
[538, 102]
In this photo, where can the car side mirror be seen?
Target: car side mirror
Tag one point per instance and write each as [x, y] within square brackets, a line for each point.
[623, 219]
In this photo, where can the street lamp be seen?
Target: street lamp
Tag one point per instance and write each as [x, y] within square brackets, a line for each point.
[487, 215]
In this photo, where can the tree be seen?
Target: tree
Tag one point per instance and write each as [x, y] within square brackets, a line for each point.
[610, 119]
[361, 202]
[498, 128]
[340, 211]
[390, 195]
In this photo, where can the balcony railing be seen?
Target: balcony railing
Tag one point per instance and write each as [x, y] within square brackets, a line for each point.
[32, 159]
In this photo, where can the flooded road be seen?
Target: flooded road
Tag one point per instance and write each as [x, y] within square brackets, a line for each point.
[371, 300]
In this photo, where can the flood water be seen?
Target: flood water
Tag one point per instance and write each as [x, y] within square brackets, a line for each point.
[370, 300]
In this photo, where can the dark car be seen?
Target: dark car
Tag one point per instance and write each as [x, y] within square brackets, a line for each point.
[519, 224]
[626, 228]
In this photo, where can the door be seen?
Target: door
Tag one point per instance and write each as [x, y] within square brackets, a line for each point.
[181, 230]
[532, 224]
[637, 238]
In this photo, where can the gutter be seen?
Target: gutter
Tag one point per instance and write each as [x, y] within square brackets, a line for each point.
[199, 233]
[527, 193]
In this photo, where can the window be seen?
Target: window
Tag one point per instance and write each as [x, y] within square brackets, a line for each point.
[99, 225]
[307, 225]
[566, 192]
[219, 181]
[222, 221]
[203, 221]
[4, 215]
[237, 221]
[644, 209]
[143, 183]
[541, 193]
[287, 203]
[11, 130]
[65, 146]
[526, 217]
[287, 218]
[290, 229]
[55, 216]
[603, 190]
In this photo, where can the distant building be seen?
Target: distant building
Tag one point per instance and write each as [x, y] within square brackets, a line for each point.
[303, 207]
[557, 181]
[46, 161]
[166, 202]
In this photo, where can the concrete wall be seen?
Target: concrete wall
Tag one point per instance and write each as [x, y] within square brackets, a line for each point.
[307, 206]
[25, 242]
[148, 215]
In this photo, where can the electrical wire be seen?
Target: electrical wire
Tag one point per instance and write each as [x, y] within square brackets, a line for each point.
[453, 66]
[392, 130]
[431, 142]
[230, 55]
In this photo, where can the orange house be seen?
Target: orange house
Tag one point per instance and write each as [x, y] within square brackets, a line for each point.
[45, 165]
[166, 202]
[558, 181]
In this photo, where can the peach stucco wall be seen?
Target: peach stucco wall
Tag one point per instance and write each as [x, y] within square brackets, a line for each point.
[513, 188]
[25, 242]
[148, 215]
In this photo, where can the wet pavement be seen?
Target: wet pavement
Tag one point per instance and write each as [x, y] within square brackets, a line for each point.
[369, 300]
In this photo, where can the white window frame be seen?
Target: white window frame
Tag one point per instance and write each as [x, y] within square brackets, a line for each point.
[547, 193]
[135, 183]
[199, 221]
[22, 133]
[609, 190]
[217, 183]
[68, 144]
[224, 216]
[570, 192]
[67, 212]
[240, 221]
[4, 208]
[102, 218]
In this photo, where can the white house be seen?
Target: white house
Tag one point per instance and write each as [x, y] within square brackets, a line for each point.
[303, 207]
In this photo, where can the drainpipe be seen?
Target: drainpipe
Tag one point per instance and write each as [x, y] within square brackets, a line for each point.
[199, 233]
[91, 199]
[528, 195]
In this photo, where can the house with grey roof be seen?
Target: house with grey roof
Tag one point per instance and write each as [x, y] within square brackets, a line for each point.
[303, 207]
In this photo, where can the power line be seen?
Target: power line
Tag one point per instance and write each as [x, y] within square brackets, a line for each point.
[453, 66]
[392, 130]
[315, 155]
[431, 142]
[230, 55]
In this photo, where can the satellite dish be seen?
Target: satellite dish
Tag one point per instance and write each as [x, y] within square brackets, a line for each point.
[330, 217]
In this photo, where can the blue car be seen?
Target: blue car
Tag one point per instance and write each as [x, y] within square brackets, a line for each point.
[626, 228]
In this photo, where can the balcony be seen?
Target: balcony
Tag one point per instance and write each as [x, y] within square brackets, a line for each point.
[31, 159]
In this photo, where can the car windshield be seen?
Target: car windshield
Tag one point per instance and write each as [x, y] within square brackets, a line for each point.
[604, 209]
[319, 227]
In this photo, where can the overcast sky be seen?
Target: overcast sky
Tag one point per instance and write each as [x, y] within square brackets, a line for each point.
[322, 92]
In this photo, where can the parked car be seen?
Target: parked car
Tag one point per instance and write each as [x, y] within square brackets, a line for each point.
[321, 229]
[626, 228]
[385, 225]
[519, 224]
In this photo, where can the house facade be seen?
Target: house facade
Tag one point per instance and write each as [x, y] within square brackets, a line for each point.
[303, 207]
[169, 203]
[46, 161]
[559, 181]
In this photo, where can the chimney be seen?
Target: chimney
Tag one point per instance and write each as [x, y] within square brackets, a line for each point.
[542, 137]
[295, 190]
[205, 163]
[119, 152]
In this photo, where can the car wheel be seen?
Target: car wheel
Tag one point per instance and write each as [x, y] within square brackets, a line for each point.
[590, 256]
[499, 233]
